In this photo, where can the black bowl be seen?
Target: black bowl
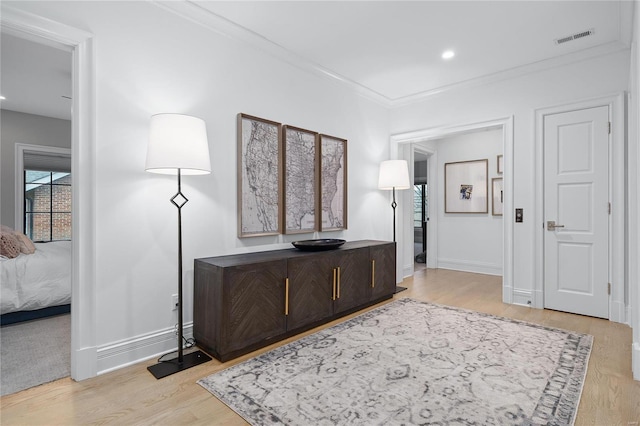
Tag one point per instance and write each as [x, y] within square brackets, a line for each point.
[318, 245]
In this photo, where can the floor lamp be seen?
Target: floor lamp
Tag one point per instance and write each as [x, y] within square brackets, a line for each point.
[394, 174]
[178, 145]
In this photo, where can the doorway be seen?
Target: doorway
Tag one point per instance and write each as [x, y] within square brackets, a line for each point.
[403, 145]
[420, 208]
[83, 318]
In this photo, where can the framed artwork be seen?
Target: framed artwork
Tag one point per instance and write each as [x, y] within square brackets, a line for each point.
[500, 163]
[466, 187]
[301, 178]
[259, 176]
[333, 183]
[497, 197]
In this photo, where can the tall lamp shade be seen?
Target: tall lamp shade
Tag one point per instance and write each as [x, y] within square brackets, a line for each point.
[178, 142]
[394, 174]
[178, 145]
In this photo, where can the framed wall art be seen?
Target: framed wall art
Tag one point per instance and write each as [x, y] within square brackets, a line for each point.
[466, 187]
[259, 176]
[497, 197]
[500, 163]
[301, 178]
[333, 183]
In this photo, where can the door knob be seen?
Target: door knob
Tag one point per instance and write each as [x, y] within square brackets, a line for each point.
[551, 225]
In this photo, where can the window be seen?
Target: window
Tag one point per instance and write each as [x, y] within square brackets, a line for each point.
[420, 207]
[47, 205]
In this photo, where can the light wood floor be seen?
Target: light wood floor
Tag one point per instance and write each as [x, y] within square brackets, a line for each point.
[132, 396]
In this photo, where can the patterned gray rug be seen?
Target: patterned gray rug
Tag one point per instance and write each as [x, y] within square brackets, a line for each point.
[410, 362]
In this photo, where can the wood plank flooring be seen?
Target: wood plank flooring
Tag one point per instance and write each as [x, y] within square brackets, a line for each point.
[132, 396]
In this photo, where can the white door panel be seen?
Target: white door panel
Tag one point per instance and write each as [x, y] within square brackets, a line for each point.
[576, 188]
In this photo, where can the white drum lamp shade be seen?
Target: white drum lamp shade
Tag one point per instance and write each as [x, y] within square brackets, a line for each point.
[394, 174]
[178, 141]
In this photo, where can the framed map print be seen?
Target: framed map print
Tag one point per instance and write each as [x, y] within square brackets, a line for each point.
[333, 183]
[301, 177]
[465, 187]
[259, 176]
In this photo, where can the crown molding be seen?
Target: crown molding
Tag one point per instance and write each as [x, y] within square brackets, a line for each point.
[226, 28]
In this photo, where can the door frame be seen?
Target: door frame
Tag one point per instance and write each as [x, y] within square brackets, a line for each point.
[615, 103]
[400, 141]
[83, 319]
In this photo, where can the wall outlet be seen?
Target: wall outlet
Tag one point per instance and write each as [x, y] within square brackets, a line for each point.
[174, 302]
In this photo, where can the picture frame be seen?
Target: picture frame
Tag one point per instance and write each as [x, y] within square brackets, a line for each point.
[497, 196]
[259, 176]
[500, 163]
[466, 186]
[301, 195]
[333, 183]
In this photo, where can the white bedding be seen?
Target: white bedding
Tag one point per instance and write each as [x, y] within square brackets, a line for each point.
[38, 280]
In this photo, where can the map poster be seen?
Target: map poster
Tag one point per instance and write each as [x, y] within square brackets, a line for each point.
[301, 175]
[259, 176]
[333, 178]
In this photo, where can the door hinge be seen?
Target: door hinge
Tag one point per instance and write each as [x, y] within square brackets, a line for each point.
[609, 208]
[609, 289]
[609, 127]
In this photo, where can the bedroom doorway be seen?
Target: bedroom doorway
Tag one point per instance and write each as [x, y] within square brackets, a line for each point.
[37, 130]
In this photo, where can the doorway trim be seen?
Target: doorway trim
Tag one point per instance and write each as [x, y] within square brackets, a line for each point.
[400, 140]
[615, 103]
[83, 321]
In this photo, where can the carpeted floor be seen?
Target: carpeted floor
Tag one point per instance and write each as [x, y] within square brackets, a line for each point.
[411, 362]
[34, 352]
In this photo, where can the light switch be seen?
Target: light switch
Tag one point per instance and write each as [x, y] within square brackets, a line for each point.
[519, 215]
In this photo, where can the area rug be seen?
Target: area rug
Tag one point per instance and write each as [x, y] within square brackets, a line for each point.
[411, 362]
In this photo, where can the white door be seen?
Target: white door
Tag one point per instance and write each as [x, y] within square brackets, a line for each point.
[576, 211]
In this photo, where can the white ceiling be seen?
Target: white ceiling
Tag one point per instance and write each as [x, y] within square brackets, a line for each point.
[388, 51]
[35, 78]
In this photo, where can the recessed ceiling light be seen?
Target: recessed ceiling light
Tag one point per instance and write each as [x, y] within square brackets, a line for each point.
[448, 54]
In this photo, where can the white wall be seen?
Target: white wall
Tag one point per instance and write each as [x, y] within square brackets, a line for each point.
[17, 127]
[147, 61]
[519, 97]
[469, 242]
[634, 190]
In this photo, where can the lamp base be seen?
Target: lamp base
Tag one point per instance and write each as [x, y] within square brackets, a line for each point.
[167, 368]
[399, 289]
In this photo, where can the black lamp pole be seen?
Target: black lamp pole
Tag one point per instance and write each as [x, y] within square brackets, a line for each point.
[393, 206]
[166, 368]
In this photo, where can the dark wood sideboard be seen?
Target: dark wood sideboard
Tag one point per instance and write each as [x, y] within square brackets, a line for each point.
[248, 301]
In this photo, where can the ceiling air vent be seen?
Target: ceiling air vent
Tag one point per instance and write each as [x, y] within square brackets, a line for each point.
[574, 36]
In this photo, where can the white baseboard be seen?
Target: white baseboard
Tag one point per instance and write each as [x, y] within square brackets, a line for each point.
[618, 312]
[84, 363]
[127, 352]
[470, 266]
[635, 357]
[523, 297]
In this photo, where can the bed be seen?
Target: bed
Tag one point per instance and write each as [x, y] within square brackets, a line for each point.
[36, 285]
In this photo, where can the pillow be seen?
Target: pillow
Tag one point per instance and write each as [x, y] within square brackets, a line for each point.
[9, 245]
[26, 245]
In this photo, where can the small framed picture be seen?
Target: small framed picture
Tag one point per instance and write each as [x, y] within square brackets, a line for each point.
[301, 178]
[500, 164]
[466, 187]
[497, 196]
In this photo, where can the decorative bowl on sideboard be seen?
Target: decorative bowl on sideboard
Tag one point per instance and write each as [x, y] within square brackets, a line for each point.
[319, 244]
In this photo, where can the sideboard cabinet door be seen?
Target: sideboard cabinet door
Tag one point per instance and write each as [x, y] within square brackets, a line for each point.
[353, 279]
[383, 270]
[254, 300]
[310, 293]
